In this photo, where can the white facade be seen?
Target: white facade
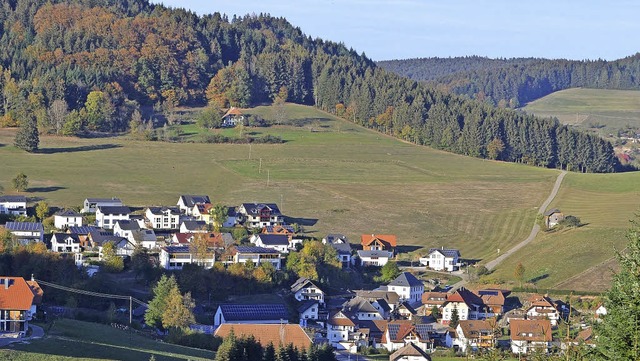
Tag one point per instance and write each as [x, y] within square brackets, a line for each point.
[91, 205]
[447, 311]
[442, 260]
[257, 256]
[65, 220]
[548, 312]
[163, 217]
[525, 347]
[374, 258]
[14, 205]
[311, 313]
[65, 243]
[175, 257]
[310, 292]
[105, 219]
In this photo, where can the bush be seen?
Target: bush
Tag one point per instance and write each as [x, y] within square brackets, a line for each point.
[570, 221]
[190, 338]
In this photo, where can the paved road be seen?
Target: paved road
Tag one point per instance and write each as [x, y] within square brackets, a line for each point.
[534, 231]
[36, 332]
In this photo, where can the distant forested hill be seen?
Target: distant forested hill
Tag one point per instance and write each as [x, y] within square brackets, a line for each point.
[89, 65]
[513, 82]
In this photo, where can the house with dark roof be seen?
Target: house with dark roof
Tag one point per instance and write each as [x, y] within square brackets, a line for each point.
[528, 336]
[362, 309]
[257, 255]
[474, 335]
[341, 244]
[278, 335]
[65, 243]
[308, 310]
[125, 228]
[175, 257]
[194, 227]
[13, 205]
[341, 331]
[83, 234]
[26, 232]
[408, 287]
[304, 289]
[107, 216]
[67, 218]
[442, 259]
[98, 237]
[400, 333]
[493, 300]
[258, 215]
[279, 242]
[405, 311]
[467, 304]
[145, 237]
[384, 300]
[232, 117]
[163, 217]
[552, 217]
[410, 352]
[16, 301]
[252, 314]
[91, 205]
[187, 201]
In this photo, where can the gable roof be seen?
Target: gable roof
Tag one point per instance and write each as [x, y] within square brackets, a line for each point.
[398, 330]
[100, 237]
[530, 330]
[274, 239]
[36, 290]
[301, 283]
[463, 295]
[24, 226]
[67, 213]
[406, 279]
[266, 334]
[257, 312]
[190, 200]
[84, 230]
[59, 237]
[15, 294]
[359, 304]
[194, 225]
[232, 111]
[278, 229]
[551, 211]
[449, 253]
[13, 199]
[103, 200]
[388, 240]
[128, 225]
[391, 298]
[409, 350]
[159, 211]
[253, 208]
[473, 328]
[249, 249]
[408, 307]
[114, 210]
[144, 235]
[434, 298]
[491, 297]
[340, 319]
[305, 305]
[378, 254]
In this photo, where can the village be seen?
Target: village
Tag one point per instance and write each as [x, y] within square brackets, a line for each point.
[408, 318]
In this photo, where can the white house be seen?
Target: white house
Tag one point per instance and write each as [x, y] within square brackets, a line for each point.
[65, 243]
[125, 228]
[362, 309]
[474, 335]
[408, 287]
[529, 336]
[339, 329]
[541, 307]
[257, 255]
[145, 237]
[106, 216]
[279, 242]
[175, 257]
[441, 259]
[410, 352]
[67, 218]
[163, 217]
[232, 117]
[308, 310]
[91, 204]
[374, 258]
[187, 201]
[26, 232]
[400, 333]
[258, 215]
[340, 243]
[304, 289]
[193, 227]
[251, 313]
[13, 205]
[16, 305]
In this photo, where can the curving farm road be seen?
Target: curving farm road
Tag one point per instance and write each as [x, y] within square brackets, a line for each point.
[534, 231]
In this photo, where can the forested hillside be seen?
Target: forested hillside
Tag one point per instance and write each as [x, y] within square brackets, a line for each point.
[89, 65]
[514, 82]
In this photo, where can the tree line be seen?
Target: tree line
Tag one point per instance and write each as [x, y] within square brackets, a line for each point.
[513, 82]
[72, 66]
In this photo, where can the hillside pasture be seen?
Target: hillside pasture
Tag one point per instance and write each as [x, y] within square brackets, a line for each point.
[336, 177]
[78, 340]
[601, 110]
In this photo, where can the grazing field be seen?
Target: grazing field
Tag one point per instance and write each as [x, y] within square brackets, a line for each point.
[333, 176]
[601, 110]
[582, 258]
[77, 340]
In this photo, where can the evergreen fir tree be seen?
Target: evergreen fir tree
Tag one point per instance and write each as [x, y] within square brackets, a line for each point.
[27, 136]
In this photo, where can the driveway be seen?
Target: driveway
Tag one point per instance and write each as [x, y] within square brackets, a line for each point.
[9, 338]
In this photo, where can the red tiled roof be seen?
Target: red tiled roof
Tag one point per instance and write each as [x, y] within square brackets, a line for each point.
[37, 292]
[530, 330]
[389, 240]
[232, 111]
[265, 334]
[18, 296]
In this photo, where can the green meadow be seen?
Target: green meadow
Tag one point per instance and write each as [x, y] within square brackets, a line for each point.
[601, 110]
[329, 176]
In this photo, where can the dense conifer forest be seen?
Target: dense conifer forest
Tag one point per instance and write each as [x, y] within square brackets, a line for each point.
[514, 82]
[89, 66]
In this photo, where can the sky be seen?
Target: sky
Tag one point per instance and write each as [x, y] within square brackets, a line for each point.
[400, 29]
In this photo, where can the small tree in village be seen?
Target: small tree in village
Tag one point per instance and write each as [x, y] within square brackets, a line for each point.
[519, 273]
[20, 182]
[42, 210]
[111, 261]
[455, 318]
[218, 215]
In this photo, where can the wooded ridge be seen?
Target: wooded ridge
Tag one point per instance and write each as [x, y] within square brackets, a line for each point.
[74, 66]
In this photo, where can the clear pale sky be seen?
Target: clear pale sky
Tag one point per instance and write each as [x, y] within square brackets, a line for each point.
[398, 29]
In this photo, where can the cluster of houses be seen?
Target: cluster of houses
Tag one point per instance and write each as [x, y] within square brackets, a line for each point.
[404, 319]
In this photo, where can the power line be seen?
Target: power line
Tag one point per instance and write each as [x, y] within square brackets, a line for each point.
[91, 293]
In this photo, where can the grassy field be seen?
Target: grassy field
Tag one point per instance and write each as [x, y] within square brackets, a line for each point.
[333, 176]
[77, 340]
[611, 109]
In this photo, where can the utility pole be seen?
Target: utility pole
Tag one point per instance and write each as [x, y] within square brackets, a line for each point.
[130, 310]
[260, 167]
[249, 150]
[267, 177]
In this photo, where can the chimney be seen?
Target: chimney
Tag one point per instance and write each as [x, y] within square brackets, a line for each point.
[6, 283]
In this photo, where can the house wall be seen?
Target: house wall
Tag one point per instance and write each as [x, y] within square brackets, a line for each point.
[107, 221]
[447, 311]
[310, 313]
[15, 208]
[63, 222]
[379, 262]
[336, 334]
[13, 320]
[302, 294]
[64, 247]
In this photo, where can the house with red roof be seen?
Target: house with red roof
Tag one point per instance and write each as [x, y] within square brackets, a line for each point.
[17, 303]
[232, 117]
[542, 308]
[529, 336]
[401, 333]
[467, 304]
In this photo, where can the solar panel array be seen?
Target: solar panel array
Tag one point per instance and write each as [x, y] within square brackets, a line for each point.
[254, 312]
[249, 249]
[24, 226]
